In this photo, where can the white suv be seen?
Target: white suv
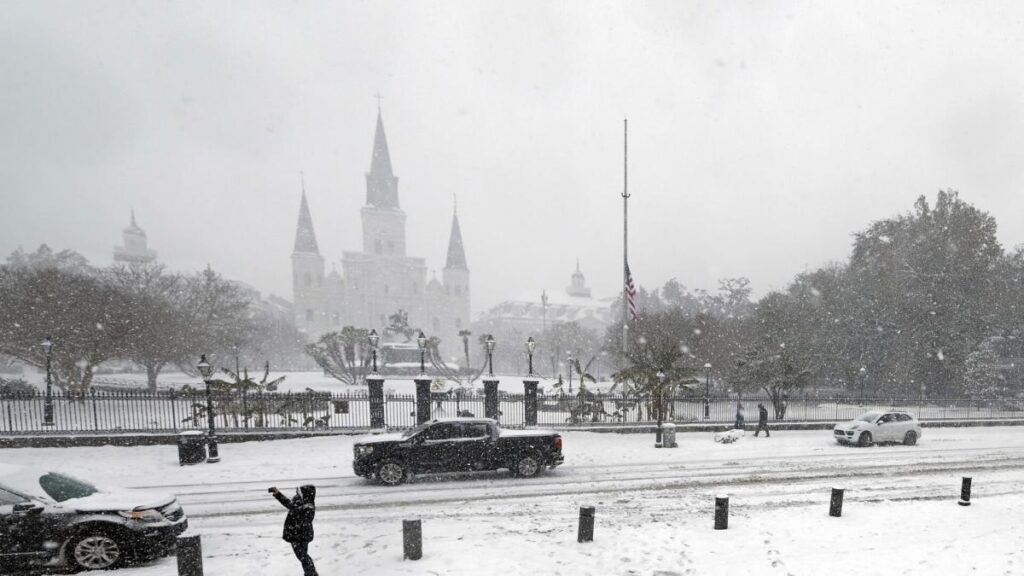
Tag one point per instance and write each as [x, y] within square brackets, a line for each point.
[879, 426]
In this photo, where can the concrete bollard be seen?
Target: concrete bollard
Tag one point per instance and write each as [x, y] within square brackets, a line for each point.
[190, 555]
[835, 506]
[586, 530]
[965, 492]
[412, 539]
[721, 512]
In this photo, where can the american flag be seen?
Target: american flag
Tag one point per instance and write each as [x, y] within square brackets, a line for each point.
[630, 293]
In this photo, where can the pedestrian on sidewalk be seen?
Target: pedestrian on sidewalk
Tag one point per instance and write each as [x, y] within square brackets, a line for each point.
[740, 413]
[298, 526]
[762, 420]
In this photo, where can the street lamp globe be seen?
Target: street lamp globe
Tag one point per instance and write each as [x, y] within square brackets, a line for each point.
[204, 368]
[531, 344]
[421, 340]
[373, 338]
[707, 366]
[490, 343]
[47, 345]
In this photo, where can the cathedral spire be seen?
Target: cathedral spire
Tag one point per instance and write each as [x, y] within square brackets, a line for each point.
[456, 252]
[305, 237]
[381, 183]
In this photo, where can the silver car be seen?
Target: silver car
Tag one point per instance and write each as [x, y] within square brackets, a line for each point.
[879, 426]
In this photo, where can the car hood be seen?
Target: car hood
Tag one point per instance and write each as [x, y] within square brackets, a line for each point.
[518, 433]
[119, 500]
[380, 438]
[851, 425]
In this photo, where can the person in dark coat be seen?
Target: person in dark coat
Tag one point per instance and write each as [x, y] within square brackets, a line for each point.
[298, 526]
[762, 421]
[739, 416]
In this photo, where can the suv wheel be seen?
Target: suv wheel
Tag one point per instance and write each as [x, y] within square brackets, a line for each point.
[95, 550]
[865, 439]
[391, 473]
[910, 439]
[527, 465]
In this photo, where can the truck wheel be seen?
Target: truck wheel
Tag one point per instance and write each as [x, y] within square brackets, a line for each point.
[95, 549]
[391, 473]
[527, 465]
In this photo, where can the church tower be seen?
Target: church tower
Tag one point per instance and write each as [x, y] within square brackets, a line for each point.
[308, 275]
[383, 220]
[456, 280]
[135, 249]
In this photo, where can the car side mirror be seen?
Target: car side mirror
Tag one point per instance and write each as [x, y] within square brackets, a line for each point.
[28, 508]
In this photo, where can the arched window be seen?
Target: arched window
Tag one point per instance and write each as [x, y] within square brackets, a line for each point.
[309, 315]
[378, 246]
[391, 246]
[458, 290]
[308, 279]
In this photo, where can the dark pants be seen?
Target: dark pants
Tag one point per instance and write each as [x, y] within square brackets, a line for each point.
[302, 553]
[762, 426]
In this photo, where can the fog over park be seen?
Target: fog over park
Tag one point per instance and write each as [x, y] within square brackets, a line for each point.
[762, 136]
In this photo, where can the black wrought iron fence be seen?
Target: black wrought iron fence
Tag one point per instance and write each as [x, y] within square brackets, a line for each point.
[162, 411]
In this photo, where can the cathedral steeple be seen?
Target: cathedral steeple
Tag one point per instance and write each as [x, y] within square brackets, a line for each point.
[456, 252]
[381, 183]
[305, 237]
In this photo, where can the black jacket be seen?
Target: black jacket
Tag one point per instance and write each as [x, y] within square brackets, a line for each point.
[298, 526]
[762, 415]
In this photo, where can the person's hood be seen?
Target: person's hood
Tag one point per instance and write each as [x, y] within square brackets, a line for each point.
[308, 493]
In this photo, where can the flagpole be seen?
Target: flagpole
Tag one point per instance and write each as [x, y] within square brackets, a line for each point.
[625, 235]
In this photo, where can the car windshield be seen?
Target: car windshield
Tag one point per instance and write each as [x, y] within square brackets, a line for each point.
[61, 487]
[869, 417]
[414, 431]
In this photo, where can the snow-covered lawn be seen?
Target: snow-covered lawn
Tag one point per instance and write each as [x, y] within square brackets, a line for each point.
[654, 507]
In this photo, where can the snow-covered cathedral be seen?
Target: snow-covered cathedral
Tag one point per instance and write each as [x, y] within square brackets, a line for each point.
[381, 279]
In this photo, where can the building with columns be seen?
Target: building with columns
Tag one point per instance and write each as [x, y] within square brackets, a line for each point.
[381, 279]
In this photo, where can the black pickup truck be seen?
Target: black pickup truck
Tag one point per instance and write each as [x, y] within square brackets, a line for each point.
[456, 445]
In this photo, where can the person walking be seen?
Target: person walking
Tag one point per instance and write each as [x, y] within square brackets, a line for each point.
[762, 421]
[298, 525]
[739, 416]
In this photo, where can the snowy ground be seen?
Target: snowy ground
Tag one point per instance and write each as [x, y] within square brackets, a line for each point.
[654, 507]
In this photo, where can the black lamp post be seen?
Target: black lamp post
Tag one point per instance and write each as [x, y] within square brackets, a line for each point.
[207, 373]
[707, 391]
[490, 354]
[531, 345]
[863, 379]
[48, 404]
[661, 405]
[374, 339]
[422, 341]
[570, 373]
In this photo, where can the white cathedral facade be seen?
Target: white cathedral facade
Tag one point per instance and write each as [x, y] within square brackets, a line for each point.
[382, 279]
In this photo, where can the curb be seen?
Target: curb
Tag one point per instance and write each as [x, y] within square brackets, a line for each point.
[164, 438]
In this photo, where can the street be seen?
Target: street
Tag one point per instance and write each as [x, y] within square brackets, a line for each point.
[654, 506]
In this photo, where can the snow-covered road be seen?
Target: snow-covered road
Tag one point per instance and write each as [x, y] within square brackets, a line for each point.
[654, 507]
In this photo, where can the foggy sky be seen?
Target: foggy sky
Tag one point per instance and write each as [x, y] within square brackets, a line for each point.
[762, 135]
